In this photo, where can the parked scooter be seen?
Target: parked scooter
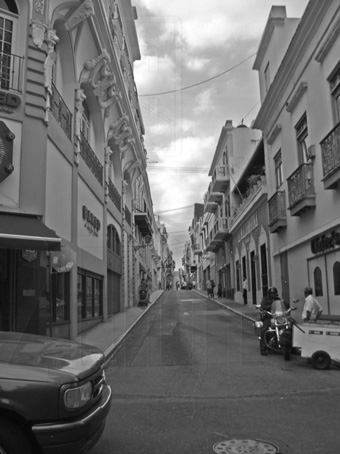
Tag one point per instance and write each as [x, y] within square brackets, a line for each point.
[278, 337]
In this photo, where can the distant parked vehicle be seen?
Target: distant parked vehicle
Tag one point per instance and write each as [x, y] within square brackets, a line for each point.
[53, 395]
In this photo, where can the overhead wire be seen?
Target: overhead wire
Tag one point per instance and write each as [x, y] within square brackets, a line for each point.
[199, 83]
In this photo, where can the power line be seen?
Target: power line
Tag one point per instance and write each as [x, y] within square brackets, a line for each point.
[179, 169]
[174, 209]
[202, 82]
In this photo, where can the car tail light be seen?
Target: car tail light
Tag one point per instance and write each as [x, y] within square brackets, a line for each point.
[78, 397]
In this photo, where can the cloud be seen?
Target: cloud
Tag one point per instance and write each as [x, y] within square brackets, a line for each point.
[204, 102]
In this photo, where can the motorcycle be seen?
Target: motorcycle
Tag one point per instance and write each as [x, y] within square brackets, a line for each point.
[278, 337]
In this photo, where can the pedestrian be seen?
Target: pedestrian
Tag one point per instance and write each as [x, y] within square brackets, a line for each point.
[312, 309]
[219, 290]
[209, 287]
[266, 305]
[245, 290]
[213, 285]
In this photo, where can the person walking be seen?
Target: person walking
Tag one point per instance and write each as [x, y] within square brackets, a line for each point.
[245, 290]
[312, 309]
[208, 286]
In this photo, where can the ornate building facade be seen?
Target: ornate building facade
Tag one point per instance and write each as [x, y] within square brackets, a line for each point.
[77, 226]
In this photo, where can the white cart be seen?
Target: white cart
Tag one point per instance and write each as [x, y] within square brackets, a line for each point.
[319, 342]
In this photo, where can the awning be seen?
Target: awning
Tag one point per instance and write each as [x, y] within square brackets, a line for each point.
[18, 231]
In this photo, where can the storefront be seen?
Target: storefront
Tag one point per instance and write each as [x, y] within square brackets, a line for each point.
[25, 304]
[323, 267]
[251, 254]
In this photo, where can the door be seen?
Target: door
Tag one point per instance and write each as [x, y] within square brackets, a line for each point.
[253, 276]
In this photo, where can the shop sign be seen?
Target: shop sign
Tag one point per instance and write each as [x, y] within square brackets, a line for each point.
[92, 223]
[29, 255]
[323, 243]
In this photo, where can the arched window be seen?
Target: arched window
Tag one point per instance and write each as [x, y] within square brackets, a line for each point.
[318, 282]
[113, 241]
[336, 278]
[9, 5]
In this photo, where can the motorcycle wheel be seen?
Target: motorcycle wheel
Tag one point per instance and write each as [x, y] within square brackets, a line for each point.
[321, 360]
[286, 352]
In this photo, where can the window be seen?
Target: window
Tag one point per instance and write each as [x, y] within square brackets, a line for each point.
[6, 43]
[113, 241]
[60, 297]
[318, 282]
[278, 169]
[302, 138]
[336, 278]
[334, 81]
[90, 296]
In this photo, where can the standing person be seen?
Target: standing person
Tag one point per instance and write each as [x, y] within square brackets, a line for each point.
[266, 304]
[213, 285]
[312, 309]
[219, 290]
[245, 290]
[209, 287]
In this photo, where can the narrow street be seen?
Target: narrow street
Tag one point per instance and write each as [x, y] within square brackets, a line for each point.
[190, 376]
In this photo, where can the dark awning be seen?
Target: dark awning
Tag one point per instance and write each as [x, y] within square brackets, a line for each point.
[18, 231]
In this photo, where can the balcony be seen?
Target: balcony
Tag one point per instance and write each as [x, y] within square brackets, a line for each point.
[143, 223]
[220, 179]
[114, 195]
[330, 151]
[211, 200]
[277, 211]
[11, 71]
[218, 234]
[301, 192]
[91, 159]
[61, 112]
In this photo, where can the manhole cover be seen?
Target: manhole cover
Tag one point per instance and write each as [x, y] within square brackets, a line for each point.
[245, 447]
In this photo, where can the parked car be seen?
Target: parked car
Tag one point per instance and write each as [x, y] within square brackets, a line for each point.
[53, 395]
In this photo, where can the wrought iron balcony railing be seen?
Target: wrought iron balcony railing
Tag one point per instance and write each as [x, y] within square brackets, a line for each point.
[91, 159]
[330, 150]
[11, 69]
[61, 112]
[301, 192]
[277, 211]
[127, 215]
[114, 195]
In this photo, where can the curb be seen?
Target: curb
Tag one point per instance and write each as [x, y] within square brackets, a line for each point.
[115, 346]
[247, 317]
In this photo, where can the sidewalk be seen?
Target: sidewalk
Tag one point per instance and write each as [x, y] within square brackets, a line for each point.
[108, 335]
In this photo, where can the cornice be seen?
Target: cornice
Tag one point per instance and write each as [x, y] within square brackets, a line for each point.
[310, 21]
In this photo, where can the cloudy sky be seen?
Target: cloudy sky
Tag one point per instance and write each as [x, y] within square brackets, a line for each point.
[195, 73]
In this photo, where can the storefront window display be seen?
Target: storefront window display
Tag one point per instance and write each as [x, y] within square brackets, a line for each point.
[60, 297]
[90, 296]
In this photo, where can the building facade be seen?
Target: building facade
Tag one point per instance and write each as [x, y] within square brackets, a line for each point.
[77, 226]
[299, 73]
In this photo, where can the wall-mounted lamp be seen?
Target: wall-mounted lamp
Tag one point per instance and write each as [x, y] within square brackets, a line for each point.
[145, 242]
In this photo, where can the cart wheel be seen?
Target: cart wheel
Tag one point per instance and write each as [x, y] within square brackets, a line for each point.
[321, 360]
